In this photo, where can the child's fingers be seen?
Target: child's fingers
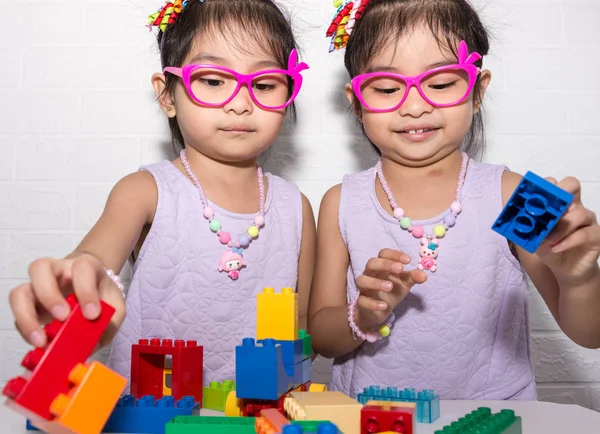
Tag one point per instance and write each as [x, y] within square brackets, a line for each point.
[395, 256]
[371, 305]
[379, 267]
[411, 278]
[22, 303]
[368, 283]
[87, 275]
[44, 274]
[576, 218]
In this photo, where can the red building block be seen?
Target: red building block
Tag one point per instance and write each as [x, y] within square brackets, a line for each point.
[70, 343]
[387, 418]
[150, 371]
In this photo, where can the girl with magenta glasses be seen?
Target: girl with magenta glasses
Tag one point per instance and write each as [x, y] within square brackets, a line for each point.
[412, 287]
[209, 230]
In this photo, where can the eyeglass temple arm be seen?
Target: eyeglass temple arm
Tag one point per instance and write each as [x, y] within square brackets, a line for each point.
[173, 70]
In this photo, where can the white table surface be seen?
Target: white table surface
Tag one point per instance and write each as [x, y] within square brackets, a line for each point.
[538, 417]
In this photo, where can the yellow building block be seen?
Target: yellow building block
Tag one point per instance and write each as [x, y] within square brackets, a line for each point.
[394, 404]
[335, 407]
[277, 314]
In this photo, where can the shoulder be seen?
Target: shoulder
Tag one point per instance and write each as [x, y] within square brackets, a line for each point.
[136, 191]
[330, 203]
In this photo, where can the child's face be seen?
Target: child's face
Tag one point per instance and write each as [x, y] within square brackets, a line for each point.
[239, 130]
[415, 53]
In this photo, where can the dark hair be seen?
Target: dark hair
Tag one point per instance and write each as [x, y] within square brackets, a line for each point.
[261, 20]
[385, 21]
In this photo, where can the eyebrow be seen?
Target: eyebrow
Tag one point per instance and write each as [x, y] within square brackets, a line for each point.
[381, 68]
[204, 57]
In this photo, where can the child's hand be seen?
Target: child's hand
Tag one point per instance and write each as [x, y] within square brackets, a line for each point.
[573, 247]
[43, 298]
[383, 285]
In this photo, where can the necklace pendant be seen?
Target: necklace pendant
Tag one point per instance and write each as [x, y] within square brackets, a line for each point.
[232, 262]
[428, 253]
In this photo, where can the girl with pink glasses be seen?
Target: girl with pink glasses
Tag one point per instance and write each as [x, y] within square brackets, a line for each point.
[412, 287]
[207, 231]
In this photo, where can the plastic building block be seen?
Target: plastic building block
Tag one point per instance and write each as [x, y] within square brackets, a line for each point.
[332, 406]
[147, 415]
[214, 396]
[532, 211]
[302, 372]
[70, 342]
[166, 367]
[29, 426]
[310, 427]
[482, 421]
[271, 421]
[428, 403]
[277, 314]
[260, 372]
[388, 417]
[210, 425]
[306, 343]
[316, 387]
[292, 351]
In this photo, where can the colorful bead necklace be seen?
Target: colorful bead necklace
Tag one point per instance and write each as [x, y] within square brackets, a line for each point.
[429, 242]
[232, 260]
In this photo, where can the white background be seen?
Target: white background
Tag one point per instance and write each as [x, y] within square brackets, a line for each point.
[77, 113]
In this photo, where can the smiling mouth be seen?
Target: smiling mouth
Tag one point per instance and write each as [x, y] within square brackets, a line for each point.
[237, 130]
[418, 131]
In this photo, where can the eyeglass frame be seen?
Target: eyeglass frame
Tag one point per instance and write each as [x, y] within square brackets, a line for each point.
[293, 71]
[466, 62]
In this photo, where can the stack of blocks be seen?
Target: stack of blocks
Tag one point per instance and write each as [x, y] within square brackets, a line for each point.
[241, 425]
[61, 394]
[482, 421]
[428, 403]
[386, 416]
[280, 359]
[215, 395]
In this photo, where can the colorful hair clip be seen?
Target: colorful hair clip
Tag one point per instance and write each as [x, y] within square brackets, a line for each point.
[343, 22]
[167, 15]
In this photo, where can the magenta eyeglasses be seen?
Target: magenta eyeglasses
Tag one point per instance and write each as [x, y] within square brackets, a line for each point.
[445, 86]
[215, 86]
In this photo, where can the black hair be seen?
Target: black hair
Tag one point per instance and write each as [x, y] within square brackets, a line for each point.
[385, 21]
[261, 20]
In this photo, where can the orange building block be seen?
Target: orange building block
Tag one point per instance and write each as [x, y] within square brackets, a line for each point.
[277, 314]
[335, 407]
[89, 404]
[271, 421]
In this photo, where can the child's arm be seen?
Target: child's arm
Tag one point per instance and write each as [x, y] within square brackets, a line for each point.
[130, 206]
[306, 261]
[568, 280]
[382, 285]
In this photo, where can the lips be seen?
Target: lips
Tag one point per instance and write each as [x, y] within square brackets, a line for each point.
[420, 130]
[237, 129]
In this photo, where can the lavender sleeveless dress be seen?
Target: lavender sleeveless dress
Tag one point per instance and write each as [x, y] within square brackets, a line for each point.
[464, 332]
[177, 291]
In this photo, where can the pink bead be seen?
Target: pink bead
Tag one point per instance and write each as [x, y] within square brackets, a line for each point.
[208, 212]
[456, 208]
[418, 231]
[371, 337]
[224, 237]
[259, 220]
[398, 213]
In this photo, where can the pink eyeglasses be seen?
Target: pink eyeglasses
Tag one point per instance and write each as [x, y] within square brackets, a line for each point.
[445, 86]
[215, 86]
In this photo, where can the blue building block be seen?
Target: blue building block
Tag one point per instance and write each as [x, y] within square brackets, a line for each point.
[298, 428]
[145, 415]
[532, 211]
[302, 372]
[30, 427]
[260, 372]
[428, 403]
[292, 351]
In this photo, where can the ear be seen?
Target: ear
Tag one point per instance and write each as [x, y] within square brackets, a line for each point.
[424, 241]
[485, 77]
[352, 98]
[167, 104]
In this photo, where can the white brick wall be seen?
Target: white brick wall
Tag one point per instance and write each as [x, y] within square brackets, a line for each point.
[77, 113]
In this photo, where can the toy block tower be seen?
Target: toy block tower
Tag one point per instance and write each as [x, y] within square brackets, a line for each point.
[277, 315]
[166, 368]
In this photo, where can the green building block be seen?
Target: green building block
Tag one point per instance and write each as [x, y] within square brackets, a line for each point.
[215, 395]
[482, 421]
[306, 343]
[211, 425]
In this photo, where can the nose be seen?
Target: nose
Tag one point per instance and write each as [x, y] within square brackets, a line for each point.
[241, 103]
[414, 105]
